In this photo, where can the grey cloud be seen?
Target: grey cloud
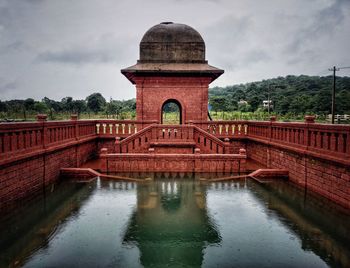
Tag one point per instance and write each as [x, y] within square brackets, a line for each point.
[108, 48]
[324, 23]
[305, 56]
[230, 29]
[255, 56]
[213, 1]
[226, 38]
[41, 40]
[6, 86]
[77, 56]
[16, 45]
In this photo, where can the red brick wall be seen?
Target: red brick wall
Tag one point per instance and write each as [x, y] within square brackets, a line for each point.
[173, 163]
[106, 143]
[327, 178]
[191, 92]
[22, 179]
[236, 145]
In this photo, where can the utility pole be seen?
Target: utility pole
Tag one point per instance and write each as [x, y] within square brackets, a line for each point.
[334, 69]
[268, 100]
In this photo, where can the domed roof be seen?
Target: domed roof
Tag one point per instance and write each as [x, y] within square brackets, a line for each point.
[170, 42]
[172, 49]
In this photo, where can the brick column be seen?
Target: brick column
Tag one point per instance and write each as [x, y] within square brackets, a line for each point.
[309, 119]
[228, 147]
[42, 118]
[243, 161]
[117, 145]
[104, 160]
[74, 119]
[197, 160]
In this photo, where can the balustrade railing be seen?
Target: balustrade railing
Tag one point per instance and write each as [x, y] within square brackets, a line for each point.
[120, 128]
[20, 138]
[319, 138]
[140, 142]
[331, 138]
[224, 129]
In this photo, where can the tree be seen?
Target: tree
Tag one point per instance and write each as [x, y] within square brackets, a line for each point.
[218, 104]
[3, 106]
[67, 104]
[78, 106]
[113, 107]
[53, 105]
[95, 102]
[29, 104]
[40, 107]
[296, 94]
[244, 107]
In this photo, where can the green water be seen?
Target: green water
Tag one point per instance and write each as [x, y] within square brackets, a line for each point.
[176, 223]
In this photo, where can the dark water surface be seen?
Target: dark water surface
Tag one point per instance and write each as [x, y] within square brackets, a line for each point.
[176, 223]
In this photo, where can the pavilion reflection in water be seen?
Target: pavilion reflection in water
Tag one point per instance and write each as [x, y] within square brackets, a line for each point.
[171, 224]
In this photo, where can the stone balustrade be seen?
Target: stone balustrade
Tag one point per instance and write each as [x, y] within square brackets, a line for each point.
[21, 140]
[120, 128]
[331, 142]
[172, 135]
[224, 129]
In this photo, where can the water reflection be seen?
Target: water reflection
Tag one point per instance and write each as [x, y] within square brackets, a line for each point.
[176, 220]
[322, 227]
[171, 225]
[31, 226]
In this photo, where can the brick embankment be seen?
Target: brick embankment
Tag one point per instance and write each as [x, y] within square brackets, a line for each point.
[27, 177]
[328, 178]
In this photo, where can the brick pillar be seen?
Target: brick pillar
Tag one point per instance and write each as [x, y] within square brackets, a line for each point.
[117, 145]
[41, 117]
[309, 119]
[197, 160]
[191, 132]
[74, 119]
[309, 141]
[104, 160]
[228, 146]
[243, 161]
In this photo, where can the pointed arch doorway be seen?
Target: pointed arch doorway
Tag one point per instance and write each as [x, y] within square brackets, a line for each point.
[171, 113]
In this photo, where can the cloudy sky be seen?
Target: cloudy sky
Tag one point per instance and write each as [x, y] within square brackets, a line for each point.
[59, 48]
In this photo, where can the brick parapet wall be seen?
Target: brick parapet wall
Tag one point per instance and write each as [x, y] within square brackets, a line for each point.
[173, 163]
[29, 176]
[329, 179]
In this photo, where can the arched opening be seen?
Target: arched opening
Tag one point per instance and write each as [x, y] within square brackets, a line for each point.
[171, 113]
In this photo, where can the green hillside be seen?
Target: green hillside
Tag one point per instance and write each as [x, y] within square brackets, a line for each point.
[291, 94]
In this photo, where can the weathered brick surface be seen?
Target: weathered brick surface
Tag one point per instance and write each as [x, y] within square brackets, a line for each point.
[212, 163]
[190, 92]
[329, 179]
[237, 145]
[27, 177]
[106, 143]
